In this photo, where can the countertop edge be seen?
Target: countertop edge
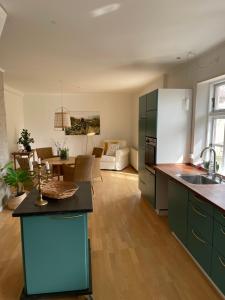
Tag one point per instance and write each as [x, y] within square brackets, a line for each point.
[175, 178]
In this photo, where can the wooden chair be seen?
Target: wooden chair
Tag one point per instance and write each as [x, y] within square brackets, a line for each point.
[96, 171]
[81, 171]
[45, 152]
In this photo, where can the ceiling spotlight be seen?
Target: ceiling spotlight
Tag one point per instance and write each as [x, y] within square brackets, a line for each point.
[105, 10]
[178, 58]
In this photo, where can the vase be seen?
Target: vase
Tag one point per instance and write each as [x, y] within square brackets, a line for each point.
[28, 148]
[15, 201]
[64, 154]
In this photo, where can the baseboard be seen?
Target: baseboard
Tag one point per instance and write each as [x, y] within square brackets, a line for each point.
[199, 266]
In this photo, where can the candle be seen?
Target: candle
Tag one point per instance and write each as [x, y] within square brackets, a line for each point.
[31, 165]
[47, 165]
[39, 161]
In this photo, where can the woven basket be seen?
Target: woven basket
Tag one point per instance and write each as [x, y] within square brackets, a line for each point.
[14, 202]
[59, 189]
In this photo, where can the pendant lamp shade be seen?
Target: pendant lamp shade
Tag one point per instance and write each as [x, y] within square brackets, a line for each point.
[62, 119]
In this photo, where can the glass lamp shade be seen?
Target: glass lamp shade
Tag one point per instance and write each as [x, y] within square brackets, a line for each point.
[62, 119]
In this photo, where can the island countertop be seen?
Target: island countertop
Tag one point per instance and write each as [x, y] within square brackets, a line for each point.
[80, 202]
[212, 193]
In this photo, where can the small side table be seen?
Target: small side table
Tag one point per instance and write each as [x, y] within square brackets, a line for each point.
[21, 154]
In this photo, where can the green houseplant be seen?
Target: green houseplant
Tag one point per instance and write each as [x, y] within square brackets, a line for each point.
[25, 140]
[16, 179]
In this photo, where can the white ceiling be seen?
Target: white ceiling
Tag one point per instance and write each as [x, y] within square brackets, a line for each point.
[44, 42]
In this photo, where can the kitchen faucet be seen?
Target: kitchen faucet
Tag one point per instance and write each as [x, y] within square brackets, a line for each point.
[211, 171]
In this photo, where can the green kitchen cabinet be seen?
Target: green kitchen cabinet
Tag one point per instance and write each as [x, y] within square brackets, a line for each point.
[142, 132]
[178, 210]
[152, 100]
[150, 190]
[55, 257]
[199, 247]
[142, 106]
[151, 123]
[218, 269]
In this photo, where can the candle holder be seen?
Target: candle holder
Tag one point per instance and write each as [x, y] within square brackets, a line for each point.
[41, 178]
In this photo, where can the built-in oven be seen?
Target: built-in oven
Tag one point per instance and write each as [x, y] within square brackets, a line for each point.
[150, 153]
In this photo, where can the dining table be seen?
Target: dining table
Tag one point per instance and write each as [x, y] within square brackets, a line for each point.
[57, 162]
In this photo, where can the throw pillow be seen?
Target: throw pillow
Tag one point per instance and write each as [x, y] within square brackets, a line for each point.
[111, 151]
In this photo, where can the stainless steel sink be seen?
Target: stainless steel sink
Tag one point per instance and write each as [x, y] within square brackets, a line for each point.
[198, 179]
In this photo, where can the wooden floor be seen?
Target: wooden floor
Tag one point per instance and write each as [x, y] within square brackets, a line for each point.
[134, 255]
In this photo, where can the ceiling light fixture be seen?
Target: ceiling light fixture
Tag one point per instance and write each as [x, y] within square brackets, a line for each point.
[98, 12]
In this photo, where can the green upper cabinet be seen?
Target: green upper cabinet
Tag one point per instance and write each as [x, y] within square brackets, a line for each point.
[178, 210]
[151, 123]
[142, 106]
[152, 100]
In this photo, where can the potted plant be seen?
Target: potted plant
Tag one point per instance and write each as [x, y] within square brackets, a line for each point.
[25, 140]
[64, 153]
[16, 180]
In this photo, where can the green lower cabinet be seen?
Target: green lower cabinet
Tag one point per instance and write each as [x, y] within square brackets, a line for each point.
[178, 210]
[199, 248]
[219, 237]
[55, 251]
[147, 186]
[218, 270]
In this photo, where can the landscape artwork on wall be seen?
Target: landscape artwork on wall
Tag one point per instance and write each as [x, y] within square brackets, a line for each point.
[83, 123]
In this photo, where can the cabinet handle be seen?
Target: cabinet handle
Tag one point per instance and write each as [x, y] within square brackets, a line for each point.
[65, 218]
[223, 215]
[221, 261]
[221, 229]
[197, 237]
[198, 212]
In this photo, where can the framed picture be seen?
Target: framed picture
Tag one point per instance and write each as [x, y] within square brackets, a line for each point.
[84, 123]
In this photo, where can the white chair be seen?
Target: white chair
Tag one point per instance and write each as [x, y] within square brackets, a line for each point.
[117, 162]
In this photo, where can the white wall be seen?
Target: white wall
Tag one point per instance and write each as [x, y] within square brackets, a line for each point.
[187, 75]
[115, 113]
[14, 116]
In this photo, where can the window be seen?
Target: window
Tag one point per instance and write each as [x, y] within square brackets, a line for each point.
[217, 124]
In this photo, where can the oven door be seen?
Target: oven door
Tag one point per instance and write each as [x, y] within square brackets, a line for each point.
[150, 153]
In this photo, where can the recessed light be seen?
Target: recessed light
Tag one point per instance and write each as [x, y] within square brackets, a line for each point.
[105, 10]
[178, 58]
[53, 22]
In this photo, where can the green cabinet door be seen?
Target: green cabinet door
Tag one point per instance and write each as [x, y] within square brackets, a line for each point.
[178, 210]
[55, 250]
[199, 247]
[142, 106]
[218, 269]
[151, 123]
[152, 100]
[142, 132]
[150, 188]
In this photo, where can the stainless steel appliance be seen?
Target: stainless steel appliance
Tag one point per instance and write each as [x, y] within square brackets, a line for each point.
[150, 153]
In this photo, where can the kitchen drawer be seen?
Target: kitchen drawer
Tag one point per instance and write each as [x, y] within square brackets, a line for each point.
[219, 237]
[219, 215]
[218, 270]
[199, 248]
[197, 201]
[200, 220]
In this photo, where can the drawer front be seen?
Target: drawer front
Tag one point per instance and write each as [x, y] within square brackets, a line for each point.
[200, 220]
[219, 237]
[207, 207]
[55, 251]
[219, 216]
[218, 270]
[199, 248]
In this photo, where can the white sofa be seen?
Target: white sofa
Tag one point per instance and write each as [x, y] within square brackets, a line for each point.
[119, 161]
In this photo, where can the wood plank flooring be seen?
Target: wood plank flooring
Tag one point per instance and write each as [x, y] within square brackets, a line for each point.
[134, 255]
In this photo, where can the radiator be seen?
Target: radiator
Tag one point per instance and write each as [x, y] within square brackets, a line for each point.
[134, 158]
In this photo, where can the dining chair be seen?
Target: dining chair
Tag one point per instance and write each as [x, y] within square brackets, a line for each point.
[96, 171]
[45, 152]
[81, 171]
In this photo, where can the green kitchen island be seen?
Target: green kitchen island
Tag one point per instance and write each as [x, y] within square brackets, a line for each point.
[55, 245]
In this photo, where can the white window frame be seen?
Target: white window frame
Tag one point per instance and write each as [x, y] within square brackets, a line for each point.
[213, 115]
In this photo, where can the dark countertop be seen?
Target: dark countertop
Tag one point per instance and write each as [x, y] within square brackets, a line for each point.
[213, 193]
[80, 202]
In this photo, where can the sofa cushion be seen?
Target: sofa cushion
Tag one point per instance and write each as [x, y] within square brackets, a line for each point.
[107, 158]
[112, 147]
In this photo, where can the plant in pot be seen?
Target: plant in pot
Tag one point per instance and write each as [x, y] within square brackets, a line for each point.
[25, 140]
[16, 179]
[64, 153]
